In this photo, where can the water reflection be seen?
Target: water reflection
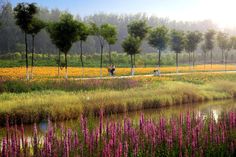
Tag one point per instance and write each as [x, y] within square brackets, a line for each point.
[203, 109]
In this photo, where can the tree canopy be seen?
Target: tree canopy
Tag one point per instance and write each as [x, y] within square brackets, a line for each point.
[192, 40]
[209, 39]
[131, 45]
[109, 33]
[24, 13]
[138, 29]
[177, 41]
[64, 33]
[36, 26]
[158, 38]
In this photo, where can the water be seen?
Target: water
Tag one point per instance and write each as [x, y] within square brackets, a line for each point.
[216, 108]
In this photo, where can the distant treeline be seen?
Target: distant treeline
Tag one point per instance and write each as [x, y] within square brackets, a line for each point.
[12, 38]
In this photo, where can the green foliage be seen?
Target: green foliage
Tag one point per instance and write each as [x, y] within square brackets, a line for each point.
[36, 26]
[192, 41]
[209, 40]
[119, 59]
[109, 33]
[24, 13]
[233, 42]
[177, 41]
[223, 41]
[158, 38]
[64, 33]
[83, 31]
[138, 29]
[131, 45]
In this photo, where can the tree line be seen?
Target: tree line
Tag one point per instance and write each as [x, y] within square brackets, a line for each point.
[67, 30]
[12, 38]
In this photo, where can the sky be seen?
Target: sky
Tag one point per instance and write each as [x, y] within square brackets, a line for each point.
[220, 12]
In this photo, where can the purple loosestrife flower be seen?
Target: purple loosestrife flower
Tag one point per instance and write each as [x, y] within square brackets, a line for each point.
[126, 149]
[119, 150]
[69, 137]
[76, 141]
[180, 140]
[100, 123]
[22, 135]
[4, 147]
[35, 145]
[13, 146]
[141, 121]
[66, 152]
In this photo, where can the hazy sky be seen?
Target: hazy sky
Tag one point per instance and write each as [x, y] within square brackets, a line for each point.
[221, 12]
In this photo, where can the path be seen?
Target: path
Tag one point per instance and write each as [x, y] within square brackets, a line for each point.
[152, 75]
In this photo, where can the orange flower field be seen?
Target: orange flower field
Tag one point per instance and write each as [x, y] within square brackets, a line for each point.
[49, 72]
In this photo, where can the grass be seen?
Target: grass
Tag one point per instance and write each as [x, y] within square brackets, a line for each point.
[35, 106]
[36, 100]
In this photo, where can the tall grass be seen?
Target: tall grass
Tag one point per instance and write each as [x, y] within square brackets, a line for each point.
[61, 105]
[20, 86]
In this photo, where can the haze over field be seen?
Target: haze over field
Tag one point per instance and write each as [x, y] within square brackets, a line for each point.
[220, 12]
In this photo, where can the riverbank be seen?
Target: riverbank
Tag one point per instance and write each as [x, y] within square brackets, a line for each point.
[34, 106]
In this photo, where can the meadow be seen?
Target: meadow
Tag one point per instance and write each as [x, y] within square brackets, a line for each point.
[36, 100]
[53, 98]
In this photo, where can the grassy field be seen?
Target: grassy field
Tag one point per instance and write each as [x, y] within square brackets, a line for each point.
[61, 100]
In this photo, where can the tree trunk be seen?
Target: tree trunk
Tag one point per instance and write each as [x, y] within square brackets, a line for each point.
[226, 60]
[159, 60]
[132, 65]
[66, 65]
[59, 63]
[177, 62]
[110, 60]
[32, 57]
[211, 60]
[193, 59]
[222, 53]
[101, 61]
[26, 57]
[189, 60]
[204, 60]
[81, 57]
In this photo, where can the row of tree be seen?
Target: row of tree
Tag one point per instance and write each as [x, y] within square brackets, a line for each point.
[67, 30]
[12, 38]
[63, 33]
[179, 41]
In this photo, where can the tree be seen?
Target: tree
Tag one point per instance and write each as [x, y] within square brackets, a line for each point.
[209, 42]
[158, 38]
[36, 26]
[204, 50]
[192, 41]
[233, 42]
[102, 33]
[225, 45]
[177, 44]
[63, 34]
[83, 33]
[109, 33]
[131, 46]
[138, 29]
[24, 13]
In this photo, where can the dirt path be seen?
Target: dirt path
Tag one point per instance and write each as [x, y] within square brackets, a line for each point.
[152, 75]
